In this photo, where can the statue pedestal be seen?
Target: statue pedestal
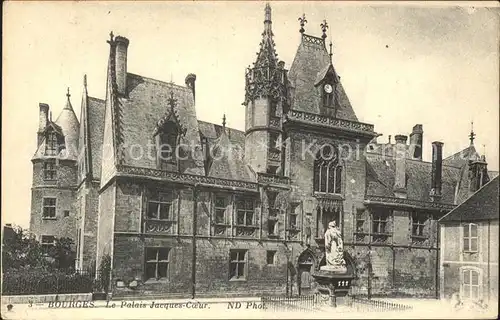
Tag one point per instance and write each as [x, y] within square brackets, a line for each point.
[334, 281]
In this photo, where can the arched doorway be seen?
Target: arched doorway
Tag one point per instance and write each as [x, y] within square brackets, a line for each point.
[305, 281]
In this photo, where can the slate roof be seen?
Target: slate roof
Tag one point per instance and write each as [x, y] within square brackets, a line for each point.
[482, 205]
[230, 164]
[68, 126]
[311, 63]
[381, 175]
[140, 112]
[96, 109]
[213, 131]
[461, 158]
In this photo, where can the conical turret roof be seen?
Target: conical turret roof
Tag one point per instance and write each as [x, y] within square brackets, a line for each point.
[70, 126]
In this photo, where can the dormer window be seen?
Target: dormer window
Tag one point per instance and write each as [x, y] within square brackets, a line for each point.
[51, 144]
[168, 142]
[328, 95]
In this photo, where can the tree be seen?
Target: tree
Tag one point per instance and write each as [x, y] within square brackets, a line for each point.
[22, 250]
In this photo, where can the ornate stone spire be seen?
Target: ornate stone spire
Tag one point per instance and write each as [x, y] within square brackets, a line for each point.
[224, 121]
[265, 78]
[267, 54]
[267, 19]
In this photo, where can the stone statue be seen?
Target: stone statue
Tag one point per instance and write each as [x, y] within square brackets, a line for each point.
[334, 249]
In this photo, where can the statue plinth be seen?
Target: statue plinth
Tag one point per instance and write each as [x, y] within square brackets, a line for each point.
[334, 281]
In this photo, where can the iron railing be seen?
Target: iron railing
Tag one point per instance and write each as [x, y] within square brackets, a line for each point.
[370, 305]
[293, 303]
[54, 282]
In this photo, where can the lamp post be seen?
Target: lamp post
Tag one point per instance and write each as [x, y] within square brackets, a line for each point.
[288, 254]
[370, 271]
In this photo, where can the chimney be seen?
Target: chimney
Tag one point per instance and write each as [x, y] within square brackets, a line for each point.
[437, 170]
[400, 156]
[478, 174]
[121, 64]
[190, 83]
[416, 140]
[43, 119]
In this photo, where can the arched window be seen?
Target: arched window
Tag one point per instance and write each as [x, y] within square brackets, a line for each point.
[168, 142]
[327, 171]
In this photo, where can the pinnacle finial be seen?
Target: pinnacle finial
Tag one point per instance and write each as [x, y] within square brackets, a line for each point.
[303, 22]
[472, 135]
[85, 80]
[172, 101]
[67, 93]
[324, 27]
[111, 36]
[224, 120]
[331, 50]
[267, 21]
[268, 12]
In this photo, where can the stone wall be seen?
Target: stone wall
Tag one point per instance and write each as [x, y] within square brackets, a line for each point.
[106, 217]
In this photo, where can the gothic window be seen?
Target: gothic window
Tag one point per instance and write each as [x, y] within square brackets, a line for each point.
[160, 206]
[220, 206]
[49, 170]
[238, 264]
[418, 222]
[168, 142]
[379, 223]
[272, 222]
[292, 220]
[244, 212]
[381, 229]
[49, 208]
[327, 171]
[360, 231]
[51, 144]
[271, 226]
[274, 142]
[270, 256]
[470, 237]
[157, 262]
[471, 283]
[273, 112]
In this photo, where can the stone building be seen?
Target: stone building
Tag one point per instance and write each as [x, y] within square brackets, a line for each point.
[469, 247]
[189, 208]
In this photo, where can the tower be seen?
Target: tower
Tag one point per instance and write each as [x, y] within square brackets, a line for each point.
[265, 100]
[478, 167]
[55, 175]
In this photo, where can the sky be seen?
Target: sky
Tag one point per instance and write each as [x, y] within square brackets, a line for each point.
[433, 64]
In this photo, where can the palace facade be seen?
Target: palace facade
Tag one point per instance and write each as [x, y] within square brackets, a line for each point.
[202, 209]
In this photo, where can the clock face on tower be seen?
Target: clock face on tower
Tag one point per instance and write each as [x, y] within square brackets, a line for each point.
[328, 88]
